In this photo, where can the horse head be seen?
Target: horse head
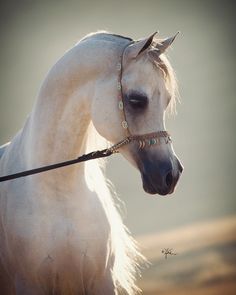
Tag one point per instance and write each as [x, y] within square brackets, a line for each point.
[136, 105]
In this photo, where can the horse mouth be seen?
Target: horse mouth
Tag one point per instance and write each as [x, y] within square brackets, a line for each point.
[152, 188]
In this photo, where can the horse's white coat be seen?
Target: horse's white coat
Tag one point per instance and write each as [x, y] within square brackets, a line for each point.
[60, 231]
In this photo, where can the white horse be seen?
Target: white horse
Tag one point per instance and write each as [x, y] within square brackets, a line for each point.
[60, 230]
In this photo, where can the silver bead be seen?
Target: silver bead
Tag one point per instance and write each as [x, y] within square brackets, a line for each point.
[118, 86]
[119, 66]
[124, 124]
[142, 144]
[121, 105]
[168, 139]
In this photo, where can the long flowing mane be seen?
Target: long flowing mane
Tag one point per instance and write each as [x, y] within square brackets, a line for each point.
[127, 255]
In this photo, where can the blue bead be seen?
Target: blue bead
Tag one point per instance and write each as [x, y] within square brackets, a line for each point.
[152, 141]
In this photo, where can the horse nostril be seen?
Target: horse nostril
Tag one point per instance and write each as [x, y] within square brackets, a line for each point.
[180, 166]
[169, 179]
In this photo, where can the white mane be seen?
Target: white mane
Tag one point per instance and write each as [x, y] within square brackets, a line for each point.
[127, 256]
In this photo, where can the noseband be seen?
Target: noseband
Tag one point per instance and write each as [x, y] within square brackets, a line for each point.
[144, 140]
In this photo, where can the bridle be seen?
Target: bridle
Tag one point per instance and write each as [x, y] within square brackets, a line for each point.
[144, 140]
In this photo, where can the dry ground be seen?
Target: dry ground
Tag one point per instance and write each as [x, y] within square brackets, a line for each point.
[205, 263]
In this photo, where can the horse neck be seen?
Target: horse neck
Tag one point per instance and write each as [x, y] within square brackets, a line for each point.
[58, 125]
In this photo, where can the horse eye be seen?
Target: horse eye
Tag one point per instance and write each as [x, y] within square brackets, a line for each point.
[137, 101]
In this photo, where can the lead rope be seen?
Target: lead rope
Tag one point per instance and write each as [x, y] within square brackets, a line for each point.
[83, 158]
[143, 140]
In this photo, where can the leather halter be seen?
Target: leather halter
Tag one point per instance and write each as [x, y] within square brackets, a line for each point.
[147, 139]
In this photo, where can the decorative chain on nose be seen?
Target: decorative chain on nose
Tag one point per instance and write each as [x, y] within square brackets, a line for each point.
[143, 140]
[151, 138]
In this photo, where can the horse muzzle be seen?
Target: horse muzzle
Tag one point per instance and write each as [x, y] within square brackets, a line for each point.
[159, 176]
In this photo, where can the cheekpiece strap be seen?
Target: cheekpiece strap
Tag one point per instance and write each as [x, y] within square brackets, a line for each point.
[143, 140]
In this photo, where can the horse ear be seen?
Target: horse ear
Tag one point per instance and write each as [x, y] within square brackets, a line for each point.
[139, 46]
[163, 44]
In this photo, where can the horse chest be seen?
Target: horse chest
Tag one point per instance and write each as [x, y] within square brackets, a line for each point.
[76, 252]
[57, 237]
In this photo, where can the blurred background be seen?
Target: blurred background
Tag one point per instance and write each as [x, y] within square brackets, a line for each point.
[199, 220]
